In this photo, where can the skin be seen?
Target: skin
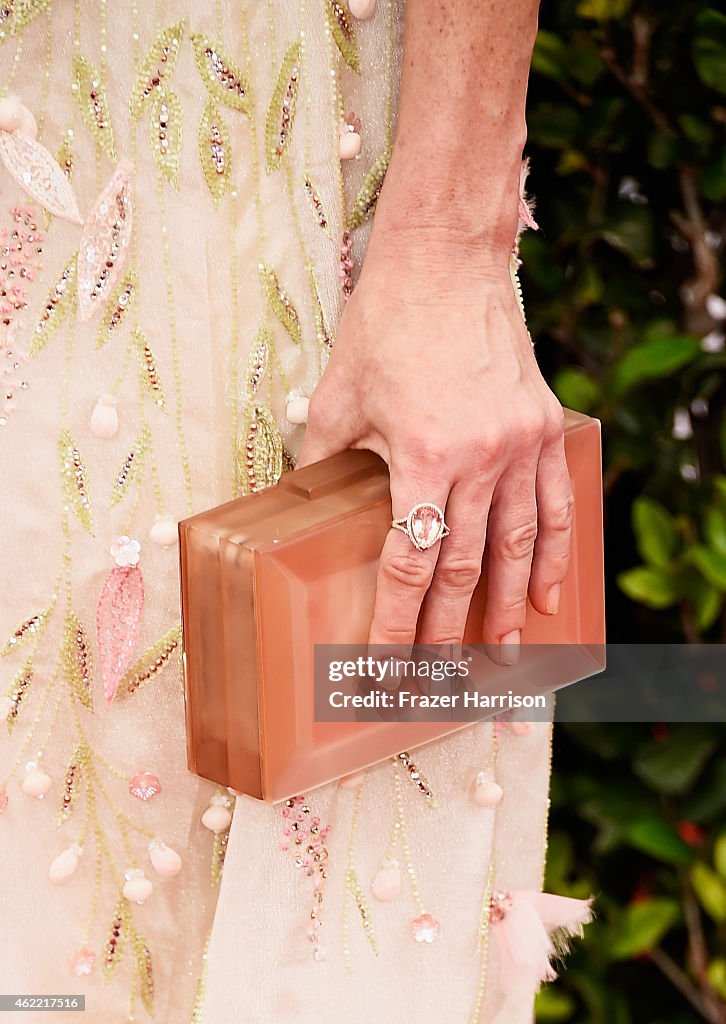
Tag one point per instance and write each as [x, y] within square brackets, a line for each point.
[432, 366]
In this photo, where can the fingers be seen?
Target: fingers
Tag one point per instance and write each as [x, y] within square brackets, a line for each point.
[555, 507]
[511, 538]
[325, 434]
[458, 567]
[404, 573]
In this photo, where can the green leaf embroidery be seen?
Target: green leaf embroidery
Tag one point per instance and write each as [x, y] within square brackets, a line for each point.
[281, 304]
[342, 32]
[61, 298]
[223, 79]
[73, 476]
[158, 66]
[366, 200]
[91, 97]
[215, 151]
[281, 112]
[166, 133]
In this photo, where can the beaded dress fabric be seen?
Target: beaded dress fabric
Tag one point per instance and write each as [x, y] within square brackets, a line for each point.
[186, 191]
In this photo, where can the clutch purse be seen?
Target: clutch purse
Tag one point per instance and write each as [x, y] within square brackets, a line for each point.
[266, 577]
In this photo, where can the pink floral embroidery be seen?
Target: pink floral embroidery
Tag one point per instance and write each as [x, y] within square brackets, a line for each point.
[118, 615]
[303, 834]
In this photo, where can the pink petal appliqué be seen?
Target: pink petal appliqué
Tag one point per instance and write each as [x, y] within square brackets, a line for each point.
[104, 242]
[118, 618]
[39, 174]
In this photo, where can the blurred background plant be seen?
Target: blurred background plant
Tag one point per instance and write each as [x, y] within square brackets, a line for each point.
[623, 288]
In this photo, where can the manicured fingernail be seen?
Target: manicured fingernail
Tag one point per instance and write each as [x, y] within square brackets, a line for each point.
[552, 601]
[509, 648]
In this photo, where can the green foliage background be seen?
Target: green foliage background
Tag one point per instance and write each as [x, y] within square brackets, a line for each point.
[627, 119]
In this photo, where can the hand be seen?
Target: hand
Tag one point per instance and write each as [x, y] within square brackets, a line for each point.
[432, 368]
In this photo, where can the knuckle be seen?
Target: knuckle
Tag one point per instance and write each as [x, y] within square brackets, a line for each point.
[406, 570]
[518, 542]
[530, 428]
[554, 426]
[458, 574]
[490, 448]
[562, 514]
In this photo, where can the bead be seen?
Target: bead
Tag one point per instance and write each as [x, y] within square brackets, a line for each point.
[104, 418]
[486, 792]
[362, 9]
[352, 781]
[164, 532]
[425, 928]
[137, 887]
[11, 113]
[125, 551]
[36, 783]
[350, 145]
[83, 962]
[296, 410]
[386, 884]
[144, 785]
[217, 819]
[166, 862]
[64, 865]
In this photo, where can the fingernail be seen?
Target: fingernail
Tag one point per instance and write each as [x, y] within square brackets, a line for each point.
[552, 601]
[509, 648]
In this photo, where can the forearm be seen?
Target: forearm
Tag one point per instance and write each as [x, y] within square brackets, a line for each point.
[461, 129]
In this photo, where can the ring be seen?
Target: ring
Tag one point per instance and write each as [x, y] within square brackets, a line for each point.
[424, 525]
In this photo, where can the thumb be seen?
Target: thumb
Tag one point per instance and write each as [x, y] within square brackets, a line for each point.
[326, 434]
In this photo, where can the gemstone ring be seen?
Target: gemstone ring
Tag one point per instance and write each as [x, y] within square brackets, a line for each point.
[424, 525]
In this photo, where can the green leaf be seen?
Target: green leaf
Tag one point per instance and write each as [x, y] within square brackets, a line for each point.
[642, 926]
[576, 390]
[550, 56]
[710, 890]
[719, 854]
[716, 972]
[714, 528]
[653, 359]
[649, 586]
[552, 1004]
[603, 10]
[656, 531]
[707, 602]
[709, 48]
[713, 178]
[711, 563]
[673, 765]
[630, 230]
[659, 840]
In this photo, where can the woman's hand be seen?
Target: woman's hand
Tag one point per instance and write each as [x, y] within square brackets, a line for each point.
[433, 369]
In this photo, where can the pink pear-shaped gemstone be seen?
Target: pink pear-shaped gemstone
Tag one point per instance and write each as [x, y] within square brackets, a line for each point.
[144, 785]
[426, 524]
[425, 928]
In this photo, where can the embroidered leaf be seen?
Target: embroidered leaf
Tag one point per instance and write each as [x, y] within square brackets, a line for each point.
[104, 242]
[150, 663]
[215, 150]
[258, 359]
[147, 368]
[288, 462]
[35, 170]
[71, 781]
[316, 204]
[367, 198]
[15, 15]
[166, 133]
[64, 157]
[33, 626]
[131, 466]
[60, 300]
[281, 111]
[158, 65]
[322, 331]
[219, 851]
[18, 692]
[118, 306]
[342, 31]
[223, 79]
[259, 456]
[73, 475]
[117, 936]
[91, 97]
[280, 303]
[118, 618]
[144, 972]
[77, 661]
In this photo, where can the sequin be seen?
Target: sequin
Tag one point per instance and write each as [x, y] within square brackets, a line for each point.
[31, 627]
[144, 785]
[147, 369]
[73, 476]
[342, 32]
[280, 303]
[117, 309]
[77, 660]
[416, 776]
[215, 150]
[118, 619]
[346, 265]
[117, 936]
[425, 928]
[281, 112]
[104, 242]
[219, 850]
[258, 360]
[18, 692]
[370, 190]
[166, 133]
[60, 300]
[145, 973]
[354, 889]
[259, 455]
[91, 97]
[64, 157]
[316, 204]
[223, 79]
[322, 331]
[158, 65]
[36, 171]
[71, 781]
[16, 14]
[150, 663]
[131, 466]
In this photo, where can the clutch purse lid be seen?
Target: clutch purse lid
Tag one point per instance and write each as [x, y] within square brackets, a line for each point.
[266, 577]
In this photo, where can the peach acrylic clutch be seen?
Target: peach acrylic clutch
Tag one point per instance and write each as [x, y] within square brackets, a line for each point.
[268, 576]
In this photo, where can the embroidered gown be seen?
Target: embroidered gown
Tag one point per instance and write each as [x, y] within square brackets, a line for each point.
[170, 280]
